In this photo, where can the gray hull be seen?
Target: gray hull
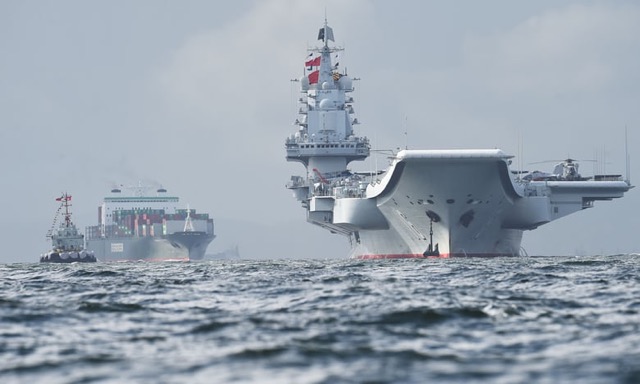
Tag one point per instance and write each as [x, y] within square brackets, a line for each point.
[178, 246]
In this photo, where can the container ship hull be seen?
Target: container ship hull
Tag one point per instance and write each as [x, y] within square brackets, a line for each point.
[179, 246]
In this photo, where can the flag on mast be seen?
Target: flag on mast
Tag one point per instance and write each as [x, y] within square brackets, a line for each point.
[313, 62]
[313, 77]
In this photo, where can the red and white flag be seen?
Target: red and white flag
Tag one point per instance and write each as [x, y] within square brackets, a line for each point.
[313, 62]
[313, 77]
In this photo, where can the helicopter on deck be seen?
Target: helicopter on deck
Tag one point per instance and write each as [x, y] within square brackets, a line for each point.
[564, 170]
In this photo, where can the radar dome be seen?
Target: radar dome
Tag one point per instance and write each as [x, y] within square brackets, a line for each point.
[325, 104]
[327, 85]
[346, 83]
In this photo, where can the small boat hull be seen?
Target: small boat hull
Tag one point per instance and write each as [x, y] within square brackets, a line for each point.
[68, 257]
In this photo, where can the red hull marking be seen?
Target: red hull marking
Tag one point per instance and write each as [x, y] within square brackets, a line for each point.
[401, 256]
[154, 260]
[421, 256]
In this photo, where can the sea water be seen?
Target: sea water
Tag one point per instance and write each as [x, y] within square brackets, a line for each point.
[500, 320]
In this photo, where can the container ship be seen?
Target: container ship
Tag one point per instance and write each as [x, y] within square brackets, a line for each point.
[144, 224]
[428, 202]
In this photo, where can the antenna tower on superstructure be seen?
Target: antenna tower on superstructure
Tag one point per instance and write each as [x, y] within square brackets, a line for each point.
[188, 224]
[626, 155]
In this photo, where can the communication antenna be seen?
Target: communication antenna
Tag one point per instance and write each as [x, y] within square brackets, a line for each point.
[406, 134]
[375, 159]
[520, 154]
[602, 158]
[626, 154]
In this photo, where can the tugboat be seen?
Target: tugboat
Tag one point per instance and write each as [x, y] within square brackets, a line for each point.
[68, 243]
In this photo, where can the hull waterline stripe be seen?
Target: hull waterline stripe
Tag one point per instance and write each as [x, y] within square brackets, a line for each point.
[421, 256]
[150, 260]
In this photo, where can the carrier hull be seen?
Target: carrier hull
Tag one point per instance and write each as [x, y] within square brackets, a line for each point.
[463, 200]
[452, 203]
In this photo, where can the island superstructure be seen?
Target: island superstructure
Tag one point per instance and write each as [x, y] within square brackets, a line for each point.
[439, 202]
[143, 223]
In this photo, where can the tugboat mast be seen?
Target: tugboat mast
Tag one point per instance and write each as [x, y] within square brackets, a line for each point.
[66, 198]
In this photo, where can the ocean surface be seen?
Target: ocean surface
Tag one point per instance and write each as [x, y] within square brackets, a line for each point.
[502, 320]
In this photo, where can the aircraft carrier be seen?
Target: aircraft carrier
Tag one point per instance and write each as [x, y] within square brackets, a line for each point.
[427, 203]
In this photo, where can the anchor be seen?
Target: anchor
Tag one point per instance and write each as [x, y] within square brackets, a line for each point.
[431, 251]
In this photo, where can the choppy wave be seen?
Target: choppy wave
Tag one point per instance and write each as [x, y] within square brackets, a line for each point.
[533, 319]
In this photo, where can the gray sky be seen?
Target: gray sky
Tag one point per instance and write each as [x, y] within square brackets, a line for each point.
[196, 96]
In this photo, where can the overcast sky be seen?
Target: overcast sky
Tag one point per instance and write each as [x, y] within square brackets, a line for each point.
[196, 96]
